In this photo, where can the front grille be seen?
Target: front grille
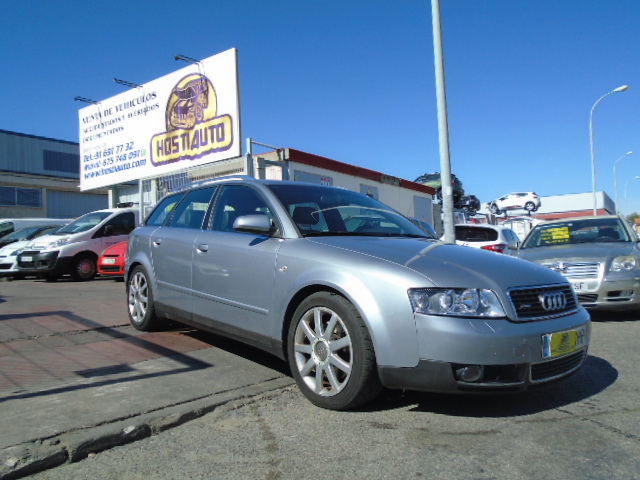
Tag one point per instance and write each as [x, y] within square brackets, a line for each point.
[110, 269]
[575, 270]
[554, 368]
[587, 297]
[529, 305]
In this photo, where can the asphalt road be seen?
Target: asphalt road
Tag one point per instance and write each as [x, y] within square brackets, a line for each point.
[587, 427]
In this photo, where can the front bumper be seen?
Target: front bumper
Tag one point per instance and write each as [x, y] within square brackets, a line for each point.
[30, 262]
[609, 294]
[510, 355]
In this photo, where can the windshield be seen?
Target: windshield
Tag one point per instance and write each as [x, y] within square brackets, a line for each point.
[577, 231]
[21, 234]
[84, 223]
[319, 210]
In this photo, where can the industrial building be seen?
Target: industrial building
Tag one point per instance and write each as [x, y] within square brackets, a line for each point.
[39, 177]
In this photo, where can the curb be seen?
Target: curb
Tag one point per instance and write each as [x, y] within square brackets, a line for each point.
[38, 455]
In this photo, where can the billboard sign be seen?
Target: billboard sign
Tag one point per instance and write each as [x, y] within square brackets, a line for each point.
[188, 118]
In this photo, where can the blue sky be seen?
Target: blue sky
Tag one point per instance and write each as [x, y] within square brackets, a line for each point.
[354, 80]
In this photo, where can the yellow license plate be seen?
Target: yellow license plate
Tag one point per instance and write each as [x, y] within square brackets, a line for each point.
[562, 343]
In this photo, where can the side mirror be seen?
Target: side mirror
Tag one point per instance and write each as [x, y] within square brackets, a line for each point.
[253, 223]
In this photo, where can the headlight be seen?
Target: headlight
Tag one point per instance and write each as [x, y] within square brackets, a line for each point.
[464, 302]
[58, 243]
[624, 262]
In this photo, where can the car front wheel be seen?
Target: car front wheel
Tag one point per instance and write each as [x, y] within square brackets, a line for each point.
[331, 353]
[530, 207]
[84, 268]
[494, 209]
[140, 301]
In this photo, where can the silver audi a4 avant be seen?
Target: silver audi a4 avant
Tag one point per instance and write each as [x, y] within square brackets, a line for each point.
[351, 293]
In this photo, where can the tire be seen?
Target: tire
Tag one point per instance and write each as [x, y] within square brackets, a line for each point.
[334, 369]
[140, 301]
[84, 268]
[530, 207]
[494, 209]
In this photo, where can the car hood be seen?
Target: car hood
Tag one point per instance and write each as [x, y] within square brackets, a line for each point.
[594, 252]
[448, 265]
[12, 247]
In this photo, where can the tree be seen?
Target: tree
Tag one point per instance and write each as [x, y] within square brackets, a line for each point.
[633, 217]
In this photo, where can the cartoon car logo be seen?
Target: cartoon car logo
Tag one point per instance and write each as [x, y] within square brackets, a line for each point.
[192, 101]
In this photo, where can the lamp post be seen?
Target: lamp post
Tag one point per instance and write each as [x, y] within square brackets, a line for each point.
[626, 190]
[593, 148]
[615, 179]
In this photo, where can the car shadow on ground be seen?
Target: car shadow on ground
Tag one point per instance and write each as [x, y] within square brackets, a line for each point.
[237, 348]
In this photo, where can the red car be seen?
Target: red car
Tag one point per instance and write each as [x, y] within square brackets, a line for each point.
[111, 261]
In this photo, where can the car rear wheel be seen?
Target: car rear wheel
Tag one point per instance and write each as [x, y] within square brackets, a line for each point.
[331, 353]
[140, 301]
[530, 207]
[494, 209]
[84, 268]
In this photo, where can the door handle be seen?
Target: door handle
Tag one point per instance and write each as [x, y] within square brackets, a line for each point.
[203, 248]
[157, 242]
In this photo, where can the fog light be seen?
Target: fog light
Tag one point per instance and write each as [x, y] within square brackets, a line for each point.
[470, 373]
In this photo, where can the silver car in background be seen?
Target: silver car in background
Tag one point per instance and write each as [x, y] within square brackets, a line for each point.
[598, 255]
[351, 293]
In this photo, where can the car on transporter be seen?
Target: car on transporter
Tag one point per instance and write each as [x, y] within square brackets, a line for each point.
[529, 201]
[353, 306]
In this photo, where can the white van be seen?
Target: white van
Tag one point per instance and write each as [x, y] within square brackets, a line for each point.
[10, 225]
[74, 249]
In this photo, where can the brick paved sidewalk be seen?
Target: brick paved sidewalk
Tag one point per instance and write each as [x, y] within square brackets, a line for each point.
[66, 330]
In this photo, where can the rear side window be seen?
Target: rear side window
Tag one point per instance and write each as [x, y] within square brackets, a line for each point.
[476, 234]
[191, 211]
[163, 210]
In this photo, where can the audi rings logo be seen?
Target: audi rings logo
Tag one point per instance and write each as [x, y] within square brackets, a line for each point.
[553, 301]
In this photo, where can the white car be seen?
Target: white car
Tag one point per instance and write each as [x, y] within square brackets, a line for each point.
[9, 259]
[494, 238]
[529, 201]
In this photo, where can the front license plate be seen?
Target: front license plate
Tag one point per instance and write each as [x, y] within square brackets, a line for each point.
[579, 286]
[562, 343]
[27, 259]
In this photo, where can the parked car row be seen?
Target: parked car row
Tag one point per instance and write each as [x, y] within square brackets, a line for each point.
[599, 255]
[352, 294]
[73, 249]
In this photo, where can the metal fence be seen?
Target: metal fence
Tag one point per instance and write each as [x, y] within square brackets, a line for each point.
[153, 189]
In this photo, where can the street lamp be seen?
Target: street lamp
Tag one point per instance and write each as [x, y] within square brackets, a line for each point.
[184, 58]
[626, 190]
[615, 179]
[126, 84]
[86, 100]
[593, 148]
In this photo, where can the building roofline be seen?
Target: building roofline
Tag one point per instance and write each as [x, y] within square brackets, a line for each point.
[361, 172]
[18, 134]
